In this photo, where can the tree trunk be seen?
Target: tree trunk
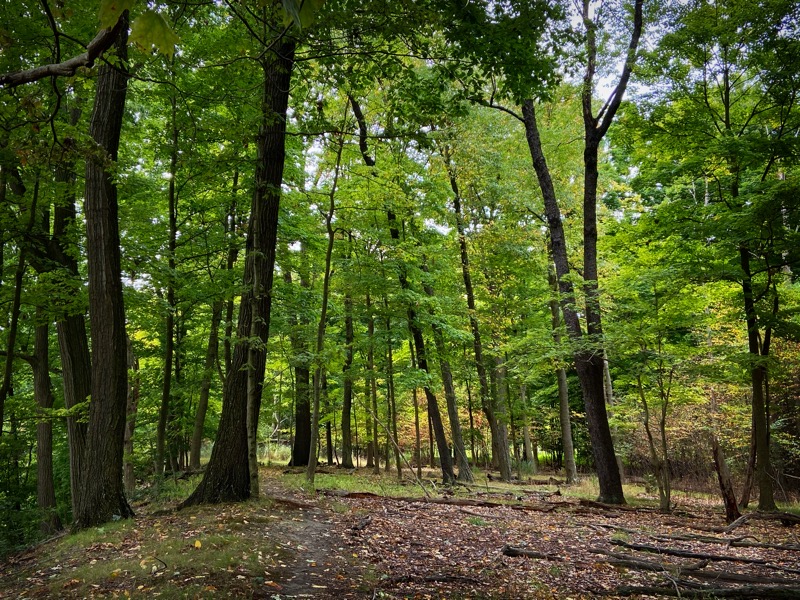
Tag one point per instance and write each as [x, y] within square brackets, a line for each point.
[373, 385]
[501, 454]
[227, 475]
[464, 470]
[347, 385]
[43, 391]
[563, 388]
[725, 484]
[212, 353]
[323, 320]
[102, 491]
[134, 391]
[766, 499]
[588, 363]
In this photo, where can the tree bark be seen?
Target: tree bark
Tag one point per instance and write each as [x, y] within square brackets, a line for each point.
[347, 385]
[102, 491]
[766, 499]
[226, 477]
[588, 363]
[43, 391]
[212, 352]
[134, 391]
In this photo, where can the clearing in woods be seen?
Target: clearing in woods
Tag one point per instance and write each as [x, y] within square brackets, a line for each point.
[528, 540]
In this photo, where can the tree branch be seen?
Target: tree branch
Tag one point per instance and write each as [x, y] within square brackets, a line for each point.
[102, 42]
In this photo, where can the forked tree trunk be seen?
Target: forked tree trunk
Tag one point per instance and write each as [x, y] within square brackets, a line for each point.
[227, 476]
[102, 491]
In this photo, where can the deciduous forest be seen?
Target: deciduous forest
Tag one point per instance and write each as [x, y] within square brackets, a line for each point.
[530, 259]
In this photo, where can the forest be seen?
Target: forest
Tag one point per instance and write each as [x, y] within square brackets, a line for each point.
[503, 238]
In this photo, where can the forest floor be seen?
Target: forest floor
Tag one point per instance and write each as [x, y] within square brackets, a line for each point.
[366, 536]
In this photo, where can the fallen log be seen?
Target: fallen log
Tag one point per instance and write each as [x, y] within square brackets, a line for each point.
[442, 578]
[696, 571]
[515, 551]
[740, 593]
[703, 556]
[445, 501]
[740, 542]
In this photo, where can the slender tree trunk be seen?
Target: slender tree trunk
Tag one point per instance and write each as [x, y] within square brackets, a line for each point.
[391, 401]
[102, 491]
[134, 392]
[464, 470]
[323, 320]
[43, 391]
[563, 389]
[418, 435]
[372, 381]
[227, 476]
[588, 364]
[347, 385]
[212, 353]
[500, 451]
[766, 499]
[169, 321]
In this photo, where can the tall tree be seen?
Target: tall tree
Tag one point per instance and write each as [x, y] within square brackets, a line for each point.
[102, 490]
[227, 476]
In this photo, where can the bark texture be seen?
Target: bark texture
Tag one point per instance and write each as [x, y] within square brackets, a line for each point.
[227, 474]
[102, 492]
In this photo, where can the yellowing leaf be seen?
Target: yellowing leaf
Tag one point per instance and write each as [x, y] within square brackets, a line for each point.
[150, 29]
[198, 544]
[110, 10]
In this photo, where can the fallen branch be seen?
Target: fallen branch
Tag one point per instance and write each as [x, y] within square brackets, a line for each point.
[697, 571]
[444, 501]
[742, 593]
[441, 578]
[740, 542]
[514, 551]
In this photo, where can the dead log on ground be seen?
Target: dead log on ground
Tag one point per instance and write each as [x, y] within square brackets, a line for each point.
[515, 551]
[740, 593]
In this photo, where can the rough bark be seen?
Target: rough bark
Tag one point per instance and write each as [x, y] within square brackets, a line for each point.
[226, 477]
[102, 491]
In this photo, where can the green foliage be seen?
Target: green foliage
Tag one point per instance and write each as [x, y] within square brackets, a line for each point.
[150, 30]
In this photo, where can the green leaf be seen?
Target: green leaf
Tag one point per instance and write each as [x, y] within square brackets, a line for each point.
[150, 29]
[110, 11]
[301, 12]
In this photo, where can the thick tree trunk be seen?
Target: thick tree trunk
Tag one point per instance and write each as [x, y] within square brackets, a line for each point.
[43, 391]
[227, 476]
[102, 491]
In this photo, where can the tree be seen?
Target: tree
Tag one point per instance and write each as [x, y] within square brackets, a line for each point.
[102, 490]
[724, 121]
